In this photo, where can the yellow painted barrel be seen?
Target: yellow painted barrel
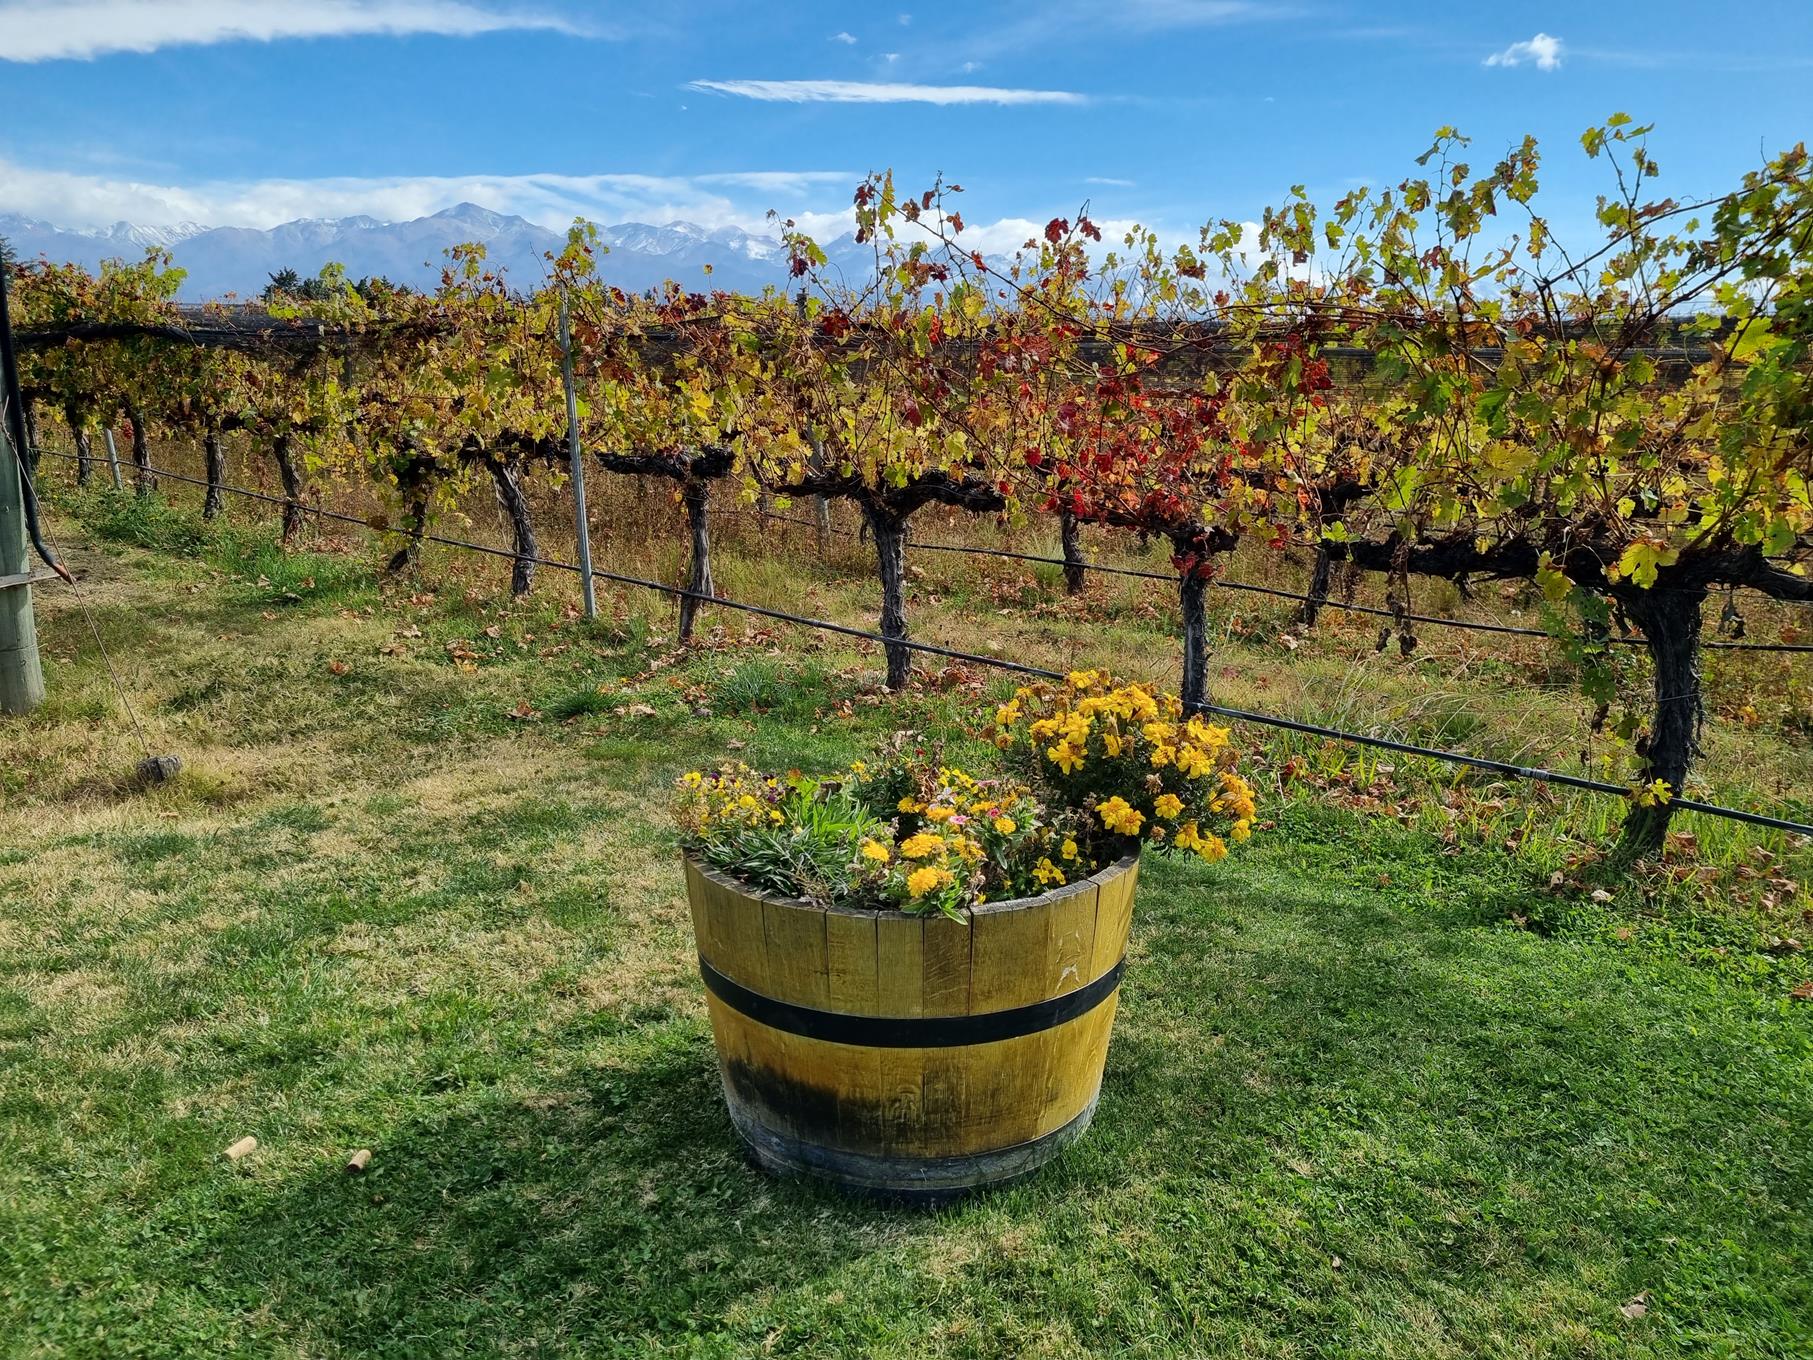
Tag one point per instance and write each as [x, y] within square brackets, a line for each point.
[912, 1056]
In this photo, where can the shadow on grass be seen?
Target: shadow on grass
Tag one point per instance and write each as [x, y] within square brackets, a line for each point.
[1321, 1119]
[616, 1205]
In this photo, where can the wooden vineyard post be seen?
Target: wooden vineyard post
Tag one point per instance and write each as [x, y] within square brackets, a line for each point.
[582, 528]
[21, 676]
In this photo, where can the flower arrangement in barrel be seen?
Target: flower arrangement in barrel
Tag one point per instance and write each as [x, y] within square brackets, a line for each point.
[1098, 769]
[1132, 762]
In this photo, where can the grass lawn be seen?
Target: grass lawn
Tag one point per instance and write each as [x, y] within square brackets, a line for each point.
[1375, 1090]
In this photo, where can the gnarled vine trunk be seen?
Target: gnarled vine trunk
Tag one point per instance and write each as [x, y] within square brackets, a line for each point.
[146, 481]
[1321, 576]
[1670, 620]
[84, 450]
[1193, 591]
[890, 531]
[31, 437]
[1075, 564]
[416, 481]
[292, 487]
[697, 496]
[522, 528]
[215, 499]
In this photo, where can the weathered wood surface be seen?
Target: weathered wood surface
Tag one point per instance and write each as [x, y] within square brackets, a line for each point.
[1016, 1003]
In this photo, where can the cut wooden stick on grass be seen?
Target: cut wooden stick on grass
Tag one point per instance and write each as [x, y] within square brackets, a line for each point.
[244, 1147]
[356, 1164]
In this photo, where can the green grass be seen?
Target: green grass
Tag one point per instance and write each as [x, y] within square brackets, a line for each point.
[1375, 1089]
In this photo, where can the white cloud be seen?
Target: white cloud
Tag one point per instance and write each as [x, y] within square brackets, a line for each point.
[1110, 182]
[847, 38]
[731, 198]
[816, 200]
[49, 30]
[1543, 51]
[880, 92]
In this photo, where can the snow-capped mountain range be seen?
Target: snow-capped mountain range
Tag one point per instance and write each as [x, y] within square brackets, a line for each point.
[240, 260]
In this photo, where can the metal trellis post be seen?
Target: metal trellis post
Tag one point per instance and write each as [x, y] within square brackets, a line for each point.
[582, 526]
[21, 675]
[113, 459]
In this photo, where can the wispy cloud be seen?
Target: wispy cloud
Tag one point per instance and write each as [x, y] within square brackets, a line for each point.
[846, 38]
[1065, 23]
[1162, 14]
[1109, 181]
[50, 30]
[1543, 52]
[879, 92]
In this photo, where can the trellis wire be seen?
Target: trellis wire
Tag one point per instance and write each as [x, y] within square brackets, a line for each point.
[1533, 773]
[1254, 588]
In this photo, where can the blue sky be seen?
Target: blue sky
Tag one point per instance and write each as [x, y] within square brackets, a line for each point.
[1170, 112]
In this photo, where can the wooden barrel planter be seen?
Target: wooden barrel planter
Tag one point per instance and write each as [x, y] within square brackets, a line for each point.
[917, 1057]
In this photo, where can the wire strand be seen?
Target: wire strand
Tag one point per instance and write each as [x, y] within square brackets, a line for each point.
[1533, 773]
[1254, 588]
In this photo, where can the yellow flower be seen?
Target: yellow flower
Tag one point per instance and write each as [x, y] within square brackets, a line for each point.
[927, 879]
[1241, 830]
[1212, 848]
[1066, 757]
[1162, 755]
[1068, 849]
[910, 804]
[1008, 714]
[876, 851]
[1047, 872]
[940, 813]
[1111, 743]
[918, 847]
[1006, 825]
[1194, 762]
[1167, 805]
[1083, 679]
[1118, 815]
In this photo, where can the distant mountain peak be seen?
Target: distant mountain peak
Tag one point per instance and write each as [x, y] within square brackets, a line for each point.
[240, 260]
